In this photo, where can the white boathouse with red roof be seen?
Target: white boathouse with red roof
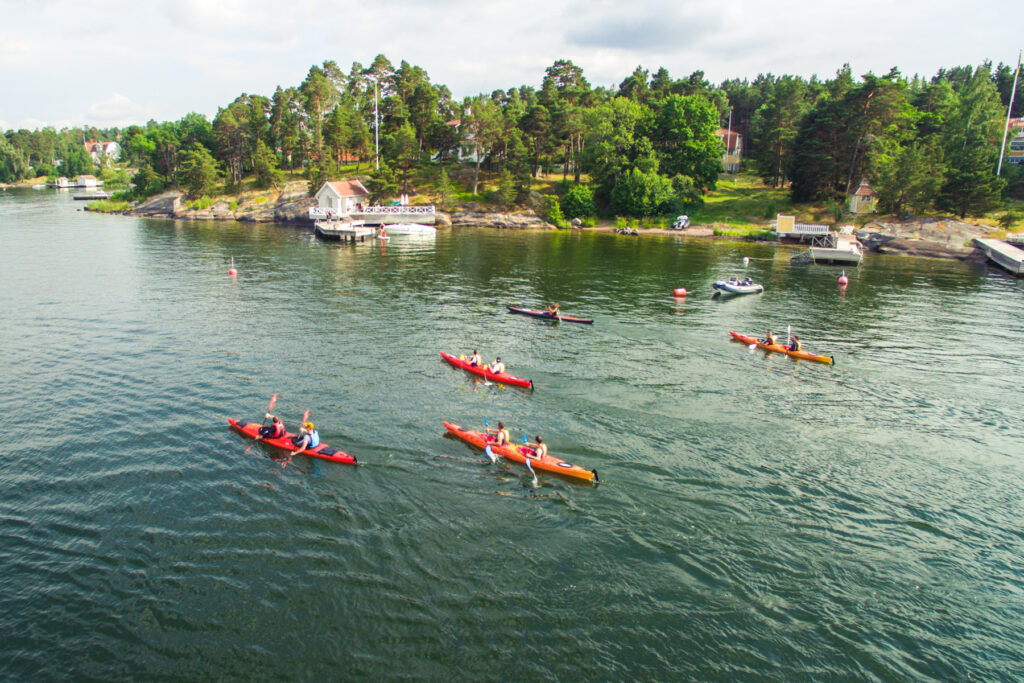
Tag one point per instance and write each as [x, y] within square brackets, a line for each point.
[341, 197]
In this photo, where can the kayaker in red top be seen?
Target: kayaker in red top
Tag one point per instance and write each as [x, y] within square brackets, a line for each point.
[275, 430]
[501, 435]
[552, 309]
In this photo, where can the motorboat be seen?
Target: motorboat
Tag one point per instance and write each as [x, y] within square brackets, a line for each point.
[735, 286]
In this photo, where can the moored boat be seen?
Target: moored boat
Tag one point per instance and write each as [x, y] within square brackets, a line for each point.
[410, 229]
[780, 348]
[485, 372]
[518, 453]
[737, 287]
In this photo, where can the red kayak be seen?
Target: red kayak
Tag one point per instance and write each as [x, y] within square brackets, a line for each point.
[323, 451]
[520, 454]
[482, 370]
[548, 316]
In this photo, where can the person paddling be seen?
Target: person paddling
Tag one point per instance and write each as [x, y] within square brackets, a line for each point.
[475, 360]
[794, 344]
[275, 430]
[540, 449]
[769, 338]
[552, 309]
[306, 439]
[497, 367]
[501, 435]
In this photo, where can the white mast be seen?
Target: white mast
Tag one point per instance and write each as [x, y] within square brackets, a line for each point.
[376, 125]
[1009, 109]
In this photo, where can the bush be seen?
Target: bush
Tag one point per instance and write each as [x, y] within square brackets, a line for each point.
[770, 211]
[578, 202]
[551, 211]
[201, 203]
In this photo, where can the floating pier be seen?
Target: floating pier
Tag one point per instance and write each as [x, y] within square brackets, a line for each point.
[338, 231]
[1004, 255]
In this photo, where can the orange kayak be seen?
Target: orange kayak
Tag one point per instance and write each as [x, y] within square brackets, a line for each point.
[779, 348]
[548, 463]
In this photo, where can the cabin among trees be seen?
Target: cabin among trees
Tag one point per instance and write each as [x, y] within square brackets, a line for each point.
[341, 197]
[863, 199]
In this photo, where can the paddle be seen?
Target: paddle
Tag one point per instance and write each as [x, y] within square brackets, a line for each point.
[273, 400]
[529, 466]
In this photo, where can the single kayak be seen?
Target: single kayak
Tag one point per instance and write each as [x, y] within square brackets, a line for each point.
[730, 287]
[519, 453]
[548, 316]
[323, 451]
[779, 348]
[484, 372]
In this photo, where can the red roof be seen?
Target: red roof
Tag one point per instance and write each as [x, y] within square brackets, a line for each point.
[348, 188]
[864, 190]
[731, 139]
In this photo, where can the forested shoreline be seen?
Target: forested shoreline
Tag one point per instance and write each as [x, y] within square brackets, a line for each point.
[646, 148]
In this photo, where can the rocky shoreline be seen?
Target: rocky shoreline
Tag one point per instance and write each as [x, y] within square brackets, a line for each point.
[923, 237]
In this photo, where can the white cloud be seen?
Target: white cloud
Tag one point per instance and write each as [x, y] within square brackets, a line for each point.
[118, 110]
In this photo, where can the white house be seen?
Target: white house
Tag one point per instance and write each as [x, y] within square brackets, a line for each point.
[339, 197]
[103, 150]
[87, 181]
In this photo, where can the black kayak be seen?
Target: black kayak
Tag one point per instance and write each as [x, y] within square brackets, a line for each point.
[548, 316]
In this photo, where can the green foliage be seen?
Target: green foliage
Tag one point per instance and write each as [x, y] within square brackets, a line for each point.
[506, 190]
[1007, 219]
[265, 167]
[445, 189]
[684, 138]
[198, 171]
[318, 174]
[770, 210]
[108, 206]
[233, 205]
[578, 202]
[551, 212]
[641, 194]
[201, 203]
[382, 185]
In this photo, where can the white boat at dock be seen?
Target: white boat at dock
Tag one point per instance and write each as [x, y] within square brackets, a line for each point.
[840, 249]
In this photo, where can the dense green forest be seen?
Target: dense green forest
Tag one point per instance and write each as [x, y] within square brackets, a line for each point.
[646, 148]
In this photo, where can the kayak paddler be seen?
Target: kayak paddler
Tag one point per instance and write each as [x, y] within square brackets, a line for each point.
[475, 360]
[307, 438]
[552, 309]
[794, 344]
[274, 430]
[497, 367]
[501, 435]
[769, 338]
[540, 449]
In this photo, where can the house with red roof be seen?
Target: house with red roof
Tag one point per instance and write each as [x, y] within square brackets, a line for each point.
[863, 199]
[733, 143]
[100, 151]
[339, 197]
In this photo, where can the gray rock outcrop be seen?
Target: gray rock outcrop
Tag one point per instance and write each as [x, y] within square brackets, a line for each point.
[506, 221]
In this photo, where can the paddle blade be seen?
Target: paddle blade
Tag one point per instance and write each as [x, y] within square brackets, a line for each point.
[752, 347]
[490, 454]
[273, 400]
[305, 417]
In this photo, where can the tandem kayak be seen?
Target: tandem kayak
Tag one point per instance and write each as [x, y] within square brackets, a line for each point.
[323, 451]
[484, 372]
[779, 348]
[548, 463]
[733, 287]
[548, 316]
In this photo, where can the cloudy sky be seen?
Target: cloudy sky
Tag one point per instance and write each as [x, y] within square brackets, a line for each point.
[116, 62]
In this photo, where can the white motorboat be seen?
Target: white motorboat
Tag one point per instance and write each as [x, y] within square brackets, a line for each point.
[409, 229]
[737, 287]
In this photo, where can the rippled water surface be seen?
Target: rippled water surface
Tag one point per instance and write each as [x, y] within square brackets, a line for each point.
[757, 517]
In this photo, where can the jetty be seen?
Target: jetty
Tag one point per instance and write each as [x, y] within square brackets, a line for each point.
[338, 228]
[1004, 255]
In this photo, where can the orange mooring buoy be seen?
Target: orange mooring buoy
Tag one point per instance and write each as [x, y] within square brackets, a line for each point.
[843, 280]
[679, 292]
[231, 271]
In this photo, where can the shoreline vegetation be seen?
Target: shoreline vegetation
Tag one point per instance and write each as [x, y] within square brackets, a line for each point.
[572, 155]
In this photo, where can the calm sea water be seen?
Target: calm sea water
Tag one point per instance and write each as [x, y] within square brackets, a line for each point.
[757, 517]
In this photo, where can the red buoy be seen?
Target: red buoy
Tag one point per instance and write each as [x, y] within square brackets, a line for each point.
[843, 280]
[679, 292]
[231, 271]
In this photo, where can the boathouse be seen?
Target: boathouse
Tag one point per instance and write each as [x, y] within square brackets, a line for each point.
[342, 197]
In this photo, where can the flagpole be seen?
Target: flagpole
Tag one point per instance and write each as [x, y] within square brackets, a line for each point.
[1009, 111]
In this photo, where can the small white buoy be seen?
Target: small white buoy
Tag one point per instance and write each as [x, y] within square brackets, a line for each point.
[843, 280]
[746, 261]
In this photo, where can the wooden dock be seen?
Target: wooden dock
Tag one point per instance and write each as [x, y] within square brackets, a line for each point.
[1002, 254]
[342, 231]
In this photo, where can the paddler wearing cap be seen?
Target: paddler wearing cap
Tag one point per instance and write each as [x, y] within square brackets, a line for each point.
[307, 438]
